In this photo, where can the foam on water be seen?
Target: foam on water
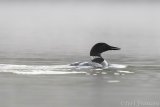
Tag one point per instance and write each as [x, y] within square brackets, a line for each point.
[36, 72]
[37, 69]
[117, 66]
[113, 81]
[53, 69]
[125, 72]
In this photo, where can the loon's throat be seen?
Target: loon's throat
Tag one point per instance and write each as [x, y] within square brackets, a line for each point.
[94, 57]
[100, 60]
[97, 59]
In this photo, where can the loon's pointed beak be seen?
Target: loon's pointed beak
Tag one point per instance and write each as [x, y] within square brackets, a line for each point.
[114, 48]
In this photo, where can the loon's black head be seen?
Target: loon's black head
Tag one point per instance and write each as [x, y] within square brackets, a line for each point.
[99, 48]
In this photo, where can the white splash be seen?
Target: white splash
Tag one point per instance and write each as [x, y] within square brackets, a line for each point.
[116, 73]
[113, 81]
[53, 69]
[36, 72]
[38, 69]
[125, 72]
[117, 66]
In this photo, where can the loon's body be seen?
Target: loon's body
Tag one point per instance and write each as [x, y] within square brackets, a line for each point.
[96, 58]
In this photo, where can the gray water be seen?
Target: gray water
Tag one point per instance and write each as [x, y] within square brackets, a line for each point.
[41, 35]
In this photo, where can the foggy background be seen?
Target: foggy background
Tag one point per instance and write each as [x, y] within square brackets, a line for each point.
[64, 27]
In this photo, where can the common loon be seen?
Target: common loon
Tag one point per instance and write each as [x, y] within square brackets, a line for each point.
[96, 58]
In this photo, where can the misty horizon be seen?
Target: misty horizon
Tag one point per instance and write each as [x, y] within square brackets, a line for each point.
[67, 27]
[114, 1]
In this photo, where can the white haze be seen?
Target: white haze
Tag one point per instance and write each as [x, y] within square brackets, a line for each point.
[74, 27]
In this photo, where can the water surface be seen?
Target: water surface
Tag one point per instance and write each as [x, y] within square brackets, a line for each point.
[38, 41]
